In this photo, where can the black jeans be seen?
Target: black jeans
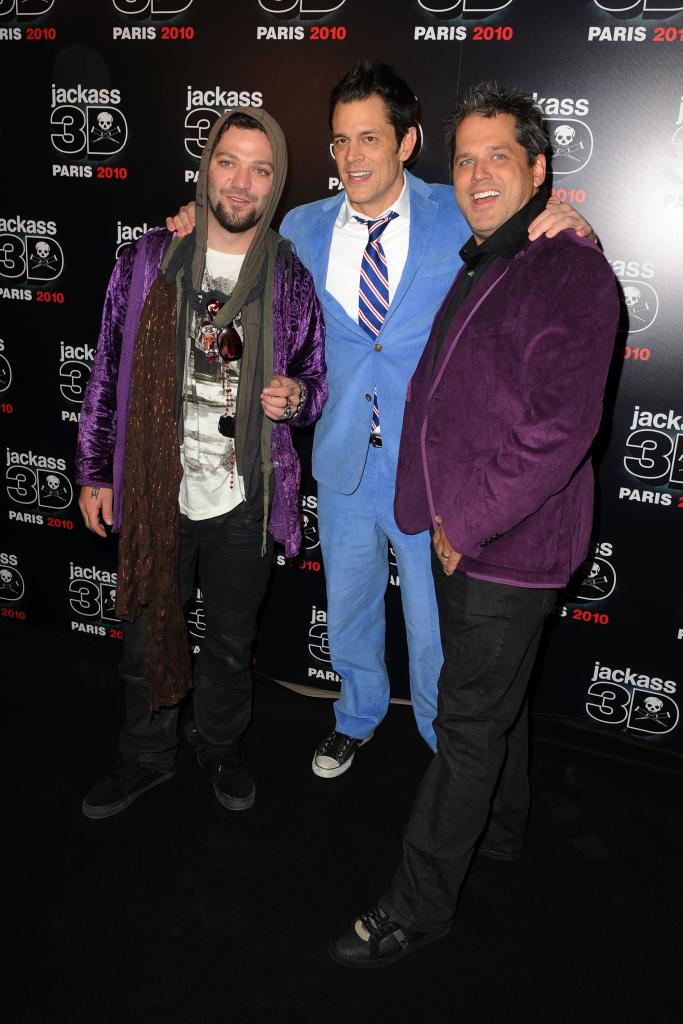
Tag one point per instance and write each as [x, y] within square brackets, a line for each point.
[477, 784]
[233, 576]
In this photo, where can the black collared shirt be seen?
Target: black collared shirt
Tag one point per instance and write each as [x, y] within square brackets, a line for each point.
[507, 241]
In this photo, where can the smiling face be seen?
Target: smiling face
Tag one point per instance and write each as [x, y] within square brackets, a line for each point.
[369, 160]
[491, 173]
[239, 183]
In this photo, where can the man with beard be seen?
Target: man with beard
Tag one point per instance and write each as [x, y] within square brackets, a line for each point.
[211, 347]
[494, 458]
[382, 254]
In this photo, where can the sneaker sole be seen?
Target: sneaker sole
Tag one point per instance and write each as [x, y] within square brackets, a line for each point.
[95, 813]
[235, 803]
[384, 961]
[332, 773]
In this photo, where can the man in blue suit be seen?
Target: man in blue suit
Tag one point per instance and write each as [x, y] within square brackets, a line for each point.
[370, 359]
[374, 122]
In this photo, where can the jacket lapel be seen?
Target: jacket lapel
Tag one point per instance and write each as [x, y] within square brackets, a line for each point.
[462, 318]
[423, 210]
[320, 240]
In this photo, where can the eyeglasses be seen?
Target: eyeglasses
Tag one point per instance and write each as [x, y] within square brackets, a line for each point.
[218, 342]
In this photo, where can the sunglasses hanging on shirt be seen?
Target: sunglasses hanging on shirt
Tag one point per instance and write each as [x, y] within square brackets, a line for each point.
[218, 342]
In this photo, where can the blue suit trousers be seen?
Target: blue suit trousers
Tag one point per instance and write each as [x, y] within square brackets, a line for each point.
[355, 531]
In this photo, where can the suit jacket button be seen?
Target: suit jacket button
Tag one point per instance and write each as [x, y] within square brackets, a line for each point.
[378, 347]
[368, 398]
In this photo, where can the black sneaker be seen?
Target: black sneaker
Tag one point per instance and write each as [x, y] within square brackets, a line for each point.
[374, 940]
[335, 754]
[120, 788]
[233, 783]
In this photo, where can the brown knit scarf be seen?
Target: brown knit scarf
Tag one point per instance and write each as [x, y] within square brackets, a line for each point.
[150, 527]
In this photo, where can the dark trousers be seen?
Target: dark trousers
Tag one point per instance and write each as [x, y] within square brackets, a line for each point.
[233, 576]
[476, 788]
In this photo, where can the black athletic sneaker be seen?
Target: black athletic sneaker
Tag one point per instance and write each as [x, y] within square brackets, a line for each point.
[374, 940]
[335, 754]
[233, 783]
[121, 787]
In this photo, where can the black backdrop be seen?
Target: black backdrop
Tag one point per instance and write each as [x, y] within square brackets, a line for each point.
[105, 107]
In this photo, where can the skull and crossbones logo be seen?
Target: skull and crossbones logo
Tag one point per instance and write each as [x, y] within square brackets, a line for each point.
[309, 529]
[653, 708]
[105, 129]
[7, 582]
[108, 601]
[565, 145]
[635, 303]
[53, 488]
[43, 256]
[592, 580]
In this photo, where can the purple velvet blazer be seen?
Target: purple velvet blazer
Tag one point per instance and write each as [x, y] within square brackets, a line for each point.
[298, 351]
[497, 434]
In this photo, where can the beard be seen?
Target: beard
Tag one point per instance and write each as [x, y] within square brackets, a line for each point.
[236, 222]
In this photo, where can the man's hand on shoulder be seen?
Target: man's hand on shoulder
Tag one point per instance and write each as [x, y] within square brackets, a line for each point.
[182, 223]
[558, 217]
[97, 505]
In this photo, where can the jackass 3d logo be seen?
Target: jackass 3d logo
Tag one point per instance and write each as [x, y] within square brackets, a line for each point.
[5, 369]
[653, 9]
[11, 581]
[633, 699]
[465, 8]
[596, 578]
[29, 254]
[300, 8]
[160, 10]
[92, 596]
[203, 108]
[37, 481]
[23, 10]
[571, 140]
[87, 123]
[75, 364]
[654, 451]
[640, 298]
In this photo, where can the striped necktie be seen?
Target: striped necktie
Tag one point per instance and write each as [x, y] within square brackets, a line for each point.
[373, 294]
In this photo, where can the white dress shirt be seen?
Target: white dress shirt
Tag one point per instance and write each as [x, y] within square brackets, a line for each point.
[349, 239]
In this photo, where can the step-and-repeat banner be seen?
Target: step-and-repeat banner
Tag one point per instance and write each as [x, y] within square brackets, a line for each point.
[105, 106]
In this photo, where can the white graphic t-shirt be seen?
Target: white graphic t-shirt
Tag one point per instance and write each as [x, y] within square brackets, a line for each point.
[211, 484]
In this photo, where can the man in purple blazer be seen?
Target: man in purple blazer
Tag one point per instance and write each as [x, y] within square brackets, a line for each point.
[211, 347]
[495, 459]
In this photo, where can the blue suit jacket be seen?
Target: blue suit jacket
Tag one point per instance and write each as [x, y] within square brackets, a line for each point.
[354, 366]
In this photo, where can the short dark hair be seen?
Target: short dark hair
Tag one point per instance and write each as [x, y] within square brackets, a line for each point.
[489, 99]
[239, 120]
[366, 79]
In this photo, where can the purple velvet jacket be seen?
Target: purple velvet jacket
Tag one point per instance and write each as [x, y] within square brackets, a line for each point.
[497, 433]
[298, 351]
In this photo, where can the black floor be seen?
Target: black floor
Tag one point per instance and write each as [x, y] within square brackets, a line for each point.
[180, 911]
